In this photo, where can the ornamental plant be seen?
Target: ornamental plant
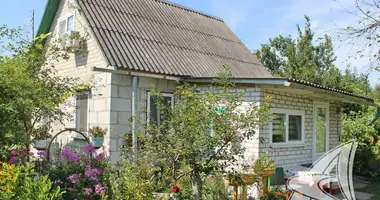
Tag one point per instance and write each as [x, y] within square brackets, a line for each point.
[7, 180]
[82, 175]
[262, 163]
[201, 134]
[97, 132]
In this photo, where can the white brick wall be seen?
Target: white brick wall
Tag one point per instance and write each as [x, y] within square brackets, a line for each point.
[291, 157]
[121, 106]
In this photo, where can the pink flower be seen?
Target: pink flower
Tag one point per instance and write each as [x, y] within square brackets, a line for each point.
[74, 178]
[70, 189]
[88, 191]
[100, 190]
[100, 157]
[92, 174]
[89, 149]
[74, 157]
[14, 152]
[65, 154]
[42, 155]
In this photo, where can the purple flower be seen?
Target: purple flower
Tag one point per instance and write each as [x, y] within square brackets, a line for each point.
[89, 149]
[70, 189]
[13, 160]
[14, 152]
[92, 174]
[65, 154]
[100, 157]
[74, 157]
[24, 153]
[74, 178]
[100, 190]
[88, 191]
[42, 155]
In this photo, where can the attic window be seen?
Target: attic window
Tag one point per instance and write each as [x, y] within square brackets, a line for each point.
[65, 25]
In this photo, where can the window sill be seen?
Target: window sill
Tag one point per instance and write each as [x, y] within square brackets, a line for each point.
[276, 146]
[78, 136]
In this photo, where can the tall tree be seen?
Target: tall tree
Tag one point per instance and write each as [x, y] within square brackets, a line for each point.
[300, 58]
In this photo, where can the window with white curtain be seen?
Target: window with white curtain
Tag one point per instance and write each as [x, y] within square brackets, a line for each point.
[287, 126]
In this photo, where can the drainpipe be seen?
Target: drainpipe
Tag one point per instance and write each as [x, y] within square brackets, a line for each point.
[134, 106]
[375, 118]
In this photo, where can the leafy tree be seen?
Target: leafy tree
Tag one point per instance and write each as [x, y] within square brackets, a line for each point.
[300, 58]
[195, 138]
[31, 95]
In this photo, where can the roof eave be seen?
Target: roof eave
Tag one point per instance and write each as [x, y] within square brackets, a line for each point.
[48, 17]
[351, 98]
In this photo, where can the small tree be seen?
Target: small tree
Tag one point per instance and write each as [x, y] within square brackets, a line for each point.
[31, 95]
[203, 132]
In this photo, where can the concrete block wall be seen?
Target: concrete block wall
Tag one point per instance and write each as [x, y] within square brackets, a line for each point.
[121, 107]
[293, 156]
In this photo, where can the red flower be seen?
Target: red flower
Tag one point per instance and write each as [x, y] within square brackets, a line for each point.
[175, 189]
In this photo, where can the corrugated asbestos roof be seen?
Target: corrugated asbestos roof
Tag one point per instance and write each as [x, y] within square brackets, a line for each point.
[291, 80]
[165, 38]
[328, 88]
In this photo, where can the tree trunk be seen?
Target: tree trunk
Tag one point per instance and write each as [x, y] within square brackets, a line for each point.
[197, 185]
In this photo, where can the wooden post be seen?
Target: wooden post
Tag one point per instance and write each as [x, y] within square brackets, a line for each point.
[244, 192]
[265, 184]
[236, 188]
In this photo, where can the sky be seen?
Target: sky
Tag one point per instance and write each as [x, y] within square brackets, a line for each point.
[253, 21]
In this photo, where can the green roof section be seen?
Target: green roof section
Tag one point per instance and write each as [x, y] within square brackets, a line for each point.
[48, 17]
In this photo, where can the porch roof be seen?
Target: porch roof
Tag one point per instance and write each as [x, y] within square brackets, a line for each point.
[296, 85]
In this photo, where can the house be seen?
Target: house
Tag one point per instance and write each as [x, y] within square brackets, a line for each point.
[134, 44]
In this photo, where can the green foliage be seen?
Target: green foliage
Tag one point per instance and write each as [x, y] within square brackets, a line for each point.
[308, 59]
[31, 95]
[214, 188]
[193, 139]
[30, 186]
[263, 162]
[274, 194]
[367, 158]
[97, 132]
[299, 58]
[131, 181]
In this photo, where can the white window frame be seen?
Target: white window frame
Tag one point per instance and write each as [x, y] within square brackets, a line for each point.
[77, 135]
[318, 104]
[65, 18]
[164, 94]
[288, 112]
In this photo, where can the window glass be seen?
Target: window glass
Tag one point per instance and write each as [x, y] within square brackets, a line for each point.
[321, 130]
[294, 128]
[153, 111]
[70, 24]
[155, 116]
[61, 27]
[81, 112]
[278, 128]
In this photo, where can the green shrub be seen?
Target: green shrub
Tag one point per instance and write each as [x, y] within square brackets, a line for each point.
[367, 157]
[132, 181]
[214, 188]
